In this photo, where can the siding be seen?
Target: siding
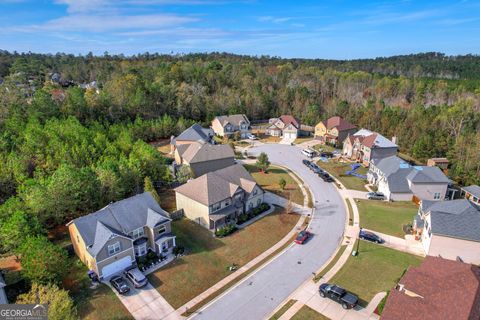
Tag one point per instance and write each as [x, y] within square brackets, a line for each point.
[193, 210]
[450, 248]
[426, 191]
[125, 244]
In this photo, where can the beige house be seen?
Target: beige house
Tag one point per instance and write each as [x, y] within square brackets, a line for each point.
[109, 240]
[365, 145]
[449, 229]
[334, 130]
[219, 197]
[228, 125]
[286, 126]
[203, 158]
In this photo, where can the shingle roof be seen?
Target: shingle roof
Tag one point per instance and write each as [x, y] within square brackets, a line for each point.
[287, 119]
[455, 218]
[338, 122]
[443, 289]
[197, 152]
[373, 139]
[425, 174]
[473, 190]
[234, 119]
[195, 133]
[218, 185]
[121, 217]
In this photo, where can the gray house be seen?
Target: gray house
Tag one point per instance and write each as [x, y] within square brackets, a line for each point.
[109, 240]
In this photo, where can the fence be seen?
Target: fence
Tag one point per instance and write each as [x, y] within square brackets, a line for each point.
[176, 215]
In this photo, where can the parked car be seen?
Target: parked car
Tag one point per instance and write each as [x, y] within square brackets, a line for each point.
[302, 237]
[375, 196]
[252, 136]
[370, 236]
[308, 152]
[136, 277]
[338, 294]
[325, 176]
[119, 284]
[326, 154]
[306, 162]
[315, 168]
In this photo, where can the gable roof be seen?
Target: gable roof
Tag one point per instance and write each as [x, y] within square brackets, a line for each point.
[119, 218]
[339, 123]
[425, 174]
[473, 190]
[373, 139]
[216, 186]
[437, 289]
[195, 133]
[234, 119]
[197, 152]
[288, 119]
[454, 218]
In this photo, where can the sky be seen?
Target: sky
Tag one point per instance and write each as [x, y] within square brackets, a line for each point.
[290, 29]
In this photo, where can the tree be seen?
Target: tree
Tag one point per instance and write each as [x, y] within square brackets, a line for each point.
[16, 228]
[60, 305]
[262, 162]
[41, 260]
[282, 183]
[148, 186]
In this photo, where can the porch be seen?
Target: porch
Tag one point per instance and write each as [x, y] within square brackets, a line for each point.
[225, 216]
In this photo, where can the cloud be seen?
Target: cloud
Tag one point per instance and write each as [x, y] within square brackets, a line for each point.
[274, 19]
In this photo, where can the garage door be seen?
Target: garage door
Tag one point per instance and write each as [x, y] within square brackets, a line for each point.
[290, 135]
[116, 266]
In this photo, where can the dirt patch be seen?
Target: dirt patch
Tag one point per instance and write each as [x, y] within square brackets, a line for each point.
[10, 263]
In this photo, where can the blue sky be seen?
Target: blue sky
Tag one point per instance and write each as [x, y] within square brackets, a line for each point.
[310, 29]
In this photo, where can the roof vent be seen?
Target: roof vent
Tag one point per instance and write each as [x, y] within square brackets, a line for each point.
[418, 168]
[404, 165]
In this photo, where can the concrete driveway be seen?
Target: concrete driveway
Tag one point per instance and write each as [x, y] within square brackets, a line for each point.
[260, 293]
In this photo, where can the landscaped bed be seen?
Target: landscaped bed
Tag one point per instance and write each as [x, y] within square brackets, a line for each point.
[270, 182]
[386, 217]
[375, 269]
[207, 258]
[339, 169]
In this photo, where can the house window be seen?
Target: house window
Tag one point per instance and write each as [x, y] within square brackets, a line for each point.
[141, 250]
[227, 203]
[258, 202]
[114, 248]
[250, 205]
[137, 233]
[216, 207]
[436, 196]
[162, 229]
[255, 192]
[238, 197]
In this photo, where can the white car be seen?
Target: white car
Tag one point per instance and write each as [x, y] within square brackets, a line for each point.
[252, 136]
[308, 152]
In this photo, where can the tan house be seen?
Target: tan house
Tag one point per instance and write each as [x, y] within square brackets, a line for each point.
[203, 158]
[219, 197]
[286, 126]
[334, 130]
[450, 229]
[442, 163]
[365, 145]
[109, 240]
[471, 193]
[228, 125]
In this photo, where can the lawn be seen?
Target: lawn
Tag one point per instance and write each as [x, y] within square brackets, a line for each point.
[95, 304]
[386, 217]
[324, 147]
[269, 181]
[303, 139]
[283, 309]
[338, 169]
[167, 199]
[332, 263]
[307, 313]
[375, 269]
[207, 257]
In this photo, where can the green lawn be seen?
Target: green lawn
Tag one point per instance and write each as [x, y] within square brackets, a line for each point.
[207, 257]
[303, 139]
[386, 217]
[269, 181]
[307, 313]
[319, 276]
[375, 269]
[283, 309]
[324, 147]
[338, 169]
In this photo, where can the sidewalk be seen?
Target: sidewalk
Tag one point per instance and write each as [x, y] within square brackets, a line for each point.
[408, 245]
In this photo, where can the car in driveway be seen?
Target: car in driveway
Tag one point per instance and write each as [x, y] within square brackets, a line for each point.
[325, 176]
[252, 136]
[375, 196]
[136, 277]
[302, 237]
[370, 236]
[338, 294]
[119, 284]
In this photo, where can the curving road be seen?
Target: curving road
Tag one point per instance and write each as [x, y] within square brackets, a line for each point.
[260, 293]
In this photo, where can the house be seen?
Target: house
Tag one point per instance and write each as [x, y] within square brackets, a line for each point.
[286, 126]
[442, 163]
[109, 240]
[193, 134]
[437, 289]
[203, 158]
[365, 145]
[450, 229]
[219, 197]
[228, 125]
[400, 181]
[3, 295]
[334, 130]
[471, 193]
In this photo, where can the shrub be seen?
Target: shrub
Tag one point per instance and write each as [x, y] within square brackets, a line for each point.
[226, 230]
[178, 250]
[253, 213]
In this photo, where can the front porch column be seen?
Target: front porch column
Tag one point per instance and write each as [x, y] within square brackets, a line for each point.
[174, 243]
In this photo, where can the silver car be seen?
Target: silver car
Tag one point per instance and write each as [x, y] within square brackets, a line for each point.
[375, 196]
[136, 277]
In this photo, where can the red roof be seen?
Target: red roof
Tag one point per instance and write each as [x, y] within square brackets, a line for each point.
[369, 141]
[287, 119]
[339, 123]
[442, 289]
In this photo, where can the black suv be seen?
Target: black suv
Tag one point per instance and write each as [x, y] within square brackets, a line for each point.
[338, 294]
[325, 176]
[306, 162]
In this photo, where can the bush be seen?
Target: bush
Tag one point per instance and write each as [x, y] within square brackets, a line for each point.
[253, 213]
[226, 230]
[178, 250]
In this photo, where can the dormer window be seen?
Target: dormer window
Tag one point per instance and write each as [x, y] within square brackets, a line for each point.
[137, 233]
[114, 248]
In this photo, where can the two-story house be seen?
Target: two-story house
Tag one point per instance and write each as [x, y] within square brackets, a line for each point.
[219, 197]
[450, 229]
[400, 181]
[286, 126]
[471, 193]
[109, 240]
[334, 130]
[365, 145]
[228, 125]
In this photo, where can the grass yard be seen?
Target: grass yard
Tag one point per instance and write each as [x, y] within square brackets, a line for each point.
[324, 147]
[386, 217]
[303, 139]
[307, 313]
[283, 309]
[269, 181]
[338, 169]
[268, 139]
[92, 304]
[375, 269]
[207, 257]
[319, 276]
[167, 199]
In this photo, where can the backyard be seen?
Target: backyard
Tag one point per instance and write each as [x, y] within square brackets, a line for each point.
[270, 182]
[386, 217]
[208, 258]
[375, 269]
[338, 169]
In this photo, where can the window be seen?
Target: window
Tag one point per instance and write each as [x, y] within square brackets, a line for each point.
[255, 192]
[141, 250]
[162, 229]
[138, 233]
[216, 207]
[258, 202]
[227, 203]
[250, 205]
[114, 248]
[436, 196]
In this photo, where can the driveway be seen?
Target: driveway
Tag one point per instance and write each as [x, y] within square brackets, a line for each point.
[259, 294]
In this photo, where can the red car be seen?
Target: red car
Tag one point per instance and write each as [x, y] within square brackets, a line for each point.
[302, 237]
